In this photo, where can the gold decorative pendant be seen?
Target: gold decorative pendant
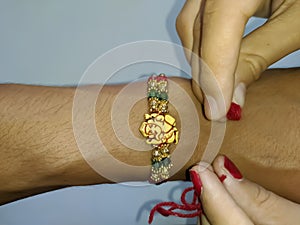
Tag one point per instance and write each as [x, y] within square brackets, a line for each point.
[159, 129]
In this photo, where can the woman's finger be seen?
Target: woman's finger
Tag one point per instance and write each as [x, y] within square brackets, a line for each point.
[261, 205]
[185, 25]
[196, 62]
[218, 205]
[223, 27]
[203, 220]
[275, 39]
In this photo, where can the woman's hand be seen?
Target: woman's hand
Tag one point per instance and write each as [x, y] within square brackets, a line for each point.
[228, 198]
[213, 30]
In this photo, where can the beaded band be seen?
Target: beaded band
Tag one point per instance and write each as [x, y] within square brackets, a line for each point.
[159, 128]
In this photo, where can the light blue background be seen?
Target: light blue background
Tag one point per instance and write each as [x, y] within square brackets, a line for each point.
[52, 43]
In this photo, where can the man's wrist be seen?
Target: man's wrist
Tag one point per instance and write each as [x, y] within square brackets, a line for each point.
[111, 136]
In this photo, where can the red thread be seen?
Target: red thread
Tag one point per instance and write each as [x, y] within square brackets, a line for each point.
[235, 112]
[195, 206]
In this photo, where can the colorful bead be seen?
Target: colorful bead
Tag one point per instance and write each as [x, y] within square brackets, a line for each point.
[166, 162]
[163, 96]
[161, 77]
[153, 77]
[152, 93]
[162, 86]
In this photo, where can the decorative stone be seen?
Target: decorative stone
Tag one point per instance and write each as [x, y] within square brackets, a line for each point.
[166, 162]
[156, 153]
[162, 87]
[151, 78]
[152, 94]
[165, 150]
[163, 96]
[161, 77]
[156, 165]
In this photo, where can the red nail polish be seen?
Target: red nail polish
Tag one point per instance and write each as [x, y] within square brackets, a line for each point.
[222, 177]
[235, 112]
[232, 169]
[196, 181]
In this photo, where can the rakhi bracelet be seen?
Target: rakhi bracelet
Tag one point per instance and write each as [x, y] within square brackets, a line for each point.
[159, 128]
[160, 131]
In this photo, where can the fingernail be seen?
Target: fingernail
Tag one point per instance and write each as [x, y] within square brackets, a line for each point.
[213, 108]
[196, 181]
[202, 166]
[234, 112]
[232, 169]
[239, 94]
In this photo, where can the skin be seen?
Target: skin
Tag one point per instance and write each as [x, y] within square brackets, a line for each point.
[38, 150]
[213, 30]
[240, 201]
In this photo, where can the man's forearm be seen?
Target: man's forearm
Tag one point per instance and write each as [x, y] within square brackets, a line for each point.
[37, 144]
[39, 151]
[38, 148]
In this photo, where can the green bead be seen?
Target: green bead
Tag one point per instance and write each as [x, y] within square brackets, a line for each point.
[163, 96]
[152, 93]
[166, 161]
[156, 165]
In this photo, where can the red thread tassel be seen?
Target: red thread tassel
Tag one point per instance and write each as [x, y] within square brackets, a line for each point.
[171, 207]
